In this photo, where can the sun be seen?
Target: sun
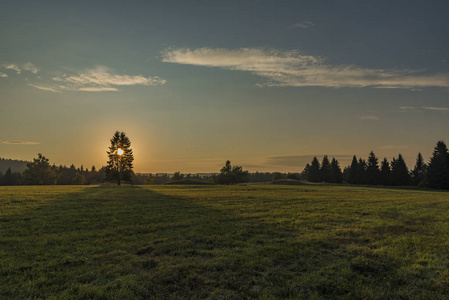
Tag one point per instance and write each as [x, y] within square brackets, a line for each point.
[119, 151]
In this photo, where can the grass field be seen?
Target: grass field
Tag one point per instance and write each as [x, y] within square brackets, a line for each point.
[223, 242]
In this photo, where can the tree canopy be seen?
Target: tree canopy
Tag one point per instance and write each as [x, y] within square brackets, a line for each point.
[120, 158]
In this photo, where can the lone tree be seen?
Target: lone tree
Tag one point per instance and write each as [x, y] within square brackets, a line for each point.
[39, 172]
[120, 154]
[231, 175]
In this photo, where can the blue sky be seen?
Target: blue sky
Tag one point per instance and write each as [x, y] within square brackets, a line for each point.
[266, 84]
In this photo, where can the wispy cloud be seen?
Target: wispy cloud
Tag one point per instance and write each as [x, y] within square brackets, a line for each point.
[98, 89]
[23, 67]
[291, 68]
[100, 79]
[3, 75]
[30, 67]
[407, 107]
[372, 118]
[422, 108]
[45, 88]
[17, 142]
[13, 67]
[304, 24]
[435, 108]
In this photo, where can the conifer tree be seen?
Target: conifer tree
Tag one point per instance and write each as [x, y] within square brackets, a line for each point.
[399, 171]
[7, 179]
[305, 172]
[385, 172]
[361, 171]
[314, 171]
[372, 169]
[120, 164]
[418, 173]
[336, 170]
[326, 170]
[352, 172]
[438, 169]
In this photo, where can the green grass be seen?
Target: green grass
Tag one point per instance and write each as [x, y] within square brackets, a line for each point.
[223, 242]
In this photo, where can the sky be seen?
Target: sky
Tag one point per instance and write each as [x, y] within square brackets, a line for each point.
[264, 84]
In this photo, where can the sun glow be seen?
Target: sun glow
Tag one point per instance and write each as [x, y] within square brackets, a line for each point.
[119, 151]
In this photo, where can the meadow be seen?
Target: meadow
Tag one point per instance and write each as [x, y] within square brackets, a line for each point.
[223, 242]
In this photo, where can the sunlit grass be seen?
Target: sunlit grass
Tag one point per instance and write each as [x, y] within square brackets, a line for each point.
[223, 242]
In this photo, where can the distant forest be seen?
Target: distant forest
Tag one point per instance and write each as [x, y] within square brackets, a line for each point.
[15, 165]
[434, 174]
[41, 172]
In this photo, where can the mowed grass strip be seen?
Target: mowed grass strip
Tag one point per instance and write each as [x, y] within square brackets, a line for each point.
[255, 241]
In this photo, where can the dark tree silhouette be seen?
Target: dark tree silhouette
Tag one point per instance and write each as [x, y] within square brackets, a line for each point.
[314, 174]
[326, 170]
[385, 173]
[372, 169]
[353, 171]
[438, 169]
[39, 172]
[120, 164]
[305, 172]
[231, 175]
[361, 171]
[418, 172]
[7, 179]
[336, 170]
[177, 176]
[399, 171]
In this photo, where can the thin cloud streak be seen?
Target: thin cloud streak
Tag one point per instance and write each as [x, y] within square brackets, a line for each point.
[305, 24]
[371, 118]
[435, 108]
[100, 79]
[3, 75]
[290, 68]
[17, 142]
[45, 88]
[98, 89]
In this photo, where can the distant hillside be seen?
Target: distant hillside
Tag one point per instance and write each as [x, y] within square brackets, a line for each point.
[15, 165]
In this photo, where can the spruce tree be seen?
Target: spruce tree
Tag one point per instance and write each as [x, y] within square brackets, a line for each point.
[438, 169]
[361, 171]
[7, 179]
[305, 172]
[385, 172]
[372, 169]
[352, 172]
[326, 170]
[120, 164]
[314, 171]
[399, 172]
[336, 170]
[418, 173]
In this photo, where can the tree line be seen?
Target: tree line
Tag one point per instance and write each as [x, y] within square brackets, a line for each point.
[434, 174]
[41, 172]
